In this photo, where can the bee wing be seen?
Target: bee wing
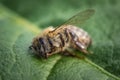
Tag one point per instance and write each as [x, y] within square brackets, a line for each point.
[79, 18]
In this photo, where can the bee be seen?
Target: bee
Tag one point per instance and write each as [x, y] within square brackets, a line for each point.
[67, 36]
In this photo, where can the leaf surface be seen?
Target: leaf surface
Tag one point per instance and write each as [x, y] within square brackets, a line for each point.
[16, 62]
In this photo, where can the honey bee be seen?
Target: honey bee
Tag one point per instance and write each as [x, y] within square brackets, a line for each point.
[67, 36]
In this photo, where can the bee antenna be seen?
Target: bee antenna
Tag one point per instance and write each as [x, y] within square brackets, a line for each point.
[30, 47]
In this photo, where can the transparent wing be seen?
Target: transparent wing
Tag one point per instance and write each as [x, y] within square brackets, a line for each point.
[79, 18]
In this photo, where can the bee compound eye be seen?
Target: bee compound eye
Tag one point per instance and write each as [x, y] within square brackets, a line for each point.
[41, 40]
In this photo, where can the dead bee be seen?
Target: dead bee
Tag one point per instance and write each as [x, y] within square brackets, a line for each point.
[68, 36]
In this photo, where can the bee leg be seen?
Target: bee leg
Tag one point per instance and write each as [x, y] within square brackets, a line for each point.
[85, 51]
[69, 53]
[81, 47]
[47, 55]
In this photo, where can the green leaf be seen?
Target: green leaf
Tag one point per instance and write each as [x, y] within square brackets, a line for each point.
[103, 26]
[16, 62]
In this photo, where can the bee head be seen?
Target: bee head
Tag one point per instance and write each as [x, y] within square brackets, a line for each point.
[38, 47]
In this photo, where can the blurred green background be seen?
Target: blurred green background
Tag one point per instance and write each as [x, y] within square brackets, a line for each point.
[54, 12]
[104, 28]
